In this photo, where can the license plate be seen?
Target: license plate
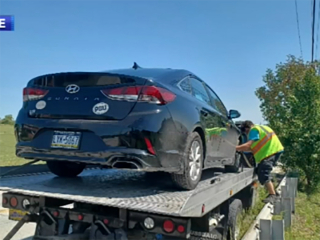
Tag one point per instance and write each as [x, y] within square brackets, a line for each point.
[69, 140]
[16, 215]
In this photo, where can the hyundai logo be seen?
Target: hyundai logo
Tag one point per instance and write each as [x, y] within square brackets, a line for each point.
[72, 88]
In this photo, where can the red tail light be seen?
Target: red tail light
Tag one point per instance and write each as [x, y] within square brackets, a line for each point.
[181, 229]
[106, 221]
[13, 202]
[33, 94]
[4, 200]
[56, 213]
[150, 94]
[168, 226]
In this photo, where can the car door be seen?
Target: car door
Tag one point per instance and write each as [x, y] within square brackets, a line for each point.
[209, 120]
[229, 137]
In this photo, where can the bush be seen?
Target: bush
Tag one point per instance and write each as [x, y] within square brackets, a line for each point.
[290, 103]
[8, 119]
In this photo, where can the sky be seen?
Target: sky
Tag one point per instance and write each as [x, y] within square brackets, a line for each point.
[228, 44]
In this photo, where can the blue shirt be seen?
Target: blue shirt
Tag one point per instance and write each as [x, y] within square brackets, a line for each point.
[254, 135]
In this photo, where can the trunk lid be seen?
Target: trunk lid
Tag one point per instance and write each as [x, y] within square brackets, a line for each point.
[79, 95]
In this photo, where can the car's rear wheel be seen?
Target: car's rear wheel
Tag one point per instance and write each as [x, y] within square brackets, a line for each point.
[65, 169]
[193, 162]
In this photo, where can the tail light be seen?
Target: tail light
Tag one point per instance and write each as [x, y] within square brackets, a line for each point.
[106, 221]
[13, 202]
[56, 213]
[33, 94]
[181, 229]
[4, 201]
[168, 226]
[150, 94]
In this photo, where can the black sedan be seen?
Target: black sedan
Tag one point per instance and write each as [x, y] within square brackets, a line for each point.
[141, 119]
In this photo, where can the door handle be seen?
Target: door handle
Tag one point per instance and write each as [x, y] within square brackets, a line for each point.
[204, 113]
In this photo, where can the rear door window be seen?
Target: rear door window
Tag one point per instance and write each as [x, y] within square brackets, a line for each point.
[199, 91]
[185, 85]
[216, 102]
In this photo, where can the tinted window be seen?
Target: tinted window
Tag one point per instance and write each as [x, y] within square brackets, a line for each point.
[185, 85]
[217, 104]
[80, 79]
[198, 91]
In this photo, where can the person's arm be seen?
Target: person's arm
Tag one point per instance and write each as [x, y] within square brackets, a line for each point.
[253, 136]
[245, 147]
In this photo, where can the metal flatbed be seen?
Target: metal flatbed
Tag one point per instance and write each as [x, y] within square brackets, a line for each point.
[135, 190]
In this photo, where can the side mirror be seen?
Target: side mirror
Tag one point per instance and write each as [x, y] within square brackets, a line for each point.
[234, 114]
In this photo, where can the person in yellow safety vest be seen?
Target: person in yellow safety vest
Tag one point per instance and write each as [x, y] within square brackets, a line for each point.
[267, 150]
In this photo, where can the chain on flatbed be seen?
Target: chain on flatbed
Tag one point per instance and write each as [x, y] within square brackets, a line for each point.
[133, 190]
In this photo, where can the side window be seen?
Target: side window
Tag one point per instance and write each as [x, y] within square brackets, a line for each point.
[198, 91]
[185, 85]
[217, 104]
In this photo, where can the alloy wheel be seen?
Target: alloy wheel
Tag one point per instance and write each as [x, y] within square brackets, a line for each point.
[195, 161]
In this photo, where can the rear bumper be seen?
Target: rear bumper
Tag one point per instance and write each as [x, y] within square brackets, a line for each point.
[104, 142]
[138, 159]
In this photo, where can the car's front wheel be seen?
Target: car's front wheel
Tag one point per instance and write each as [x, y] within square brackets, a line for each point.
[193, 162]
[65, 169]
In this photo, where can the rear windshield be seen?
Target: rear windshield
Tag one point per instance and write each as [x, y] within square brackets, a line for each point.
[81, 79]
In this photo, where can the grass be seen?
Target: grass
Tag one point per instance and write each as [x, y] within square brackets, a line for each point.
[7, 147]
[249, 216]
[306, 220]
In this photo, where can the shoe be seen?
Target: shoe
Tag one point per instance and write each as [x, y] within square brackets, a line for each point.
[270, 199]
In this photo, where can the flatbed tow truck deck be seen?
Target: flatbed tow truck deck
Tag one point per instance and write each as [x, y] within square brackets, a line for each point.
[141, 206]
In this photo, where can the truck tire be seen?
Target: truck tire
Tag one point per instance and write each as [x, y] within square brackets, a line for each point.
[233, 227]
[236, 166]
[193, 164]
[249, 197]
[65, 169]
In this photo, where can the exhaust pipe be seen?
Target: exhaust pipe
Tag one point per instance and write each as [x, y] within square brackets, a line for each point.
[122, 164]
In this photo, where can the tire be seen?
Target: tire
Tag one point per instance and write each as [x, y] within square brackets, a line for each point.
[185, 181]
[249, 197]
[236, 166]
[65, 169]
[233, 228]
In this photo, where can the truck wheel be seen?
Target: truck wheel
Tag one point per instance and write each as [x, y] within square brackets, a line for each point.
[233, 224]
[236, 166]
[193, 162]
[249, 197]
[65, 169]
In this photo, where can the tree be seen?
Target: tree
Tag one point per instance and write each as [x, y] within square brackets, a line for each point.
[8, 119]
[290, 103]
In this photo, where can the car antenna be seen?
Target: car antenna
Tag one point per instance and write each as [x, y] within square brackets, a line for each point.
[135, 66]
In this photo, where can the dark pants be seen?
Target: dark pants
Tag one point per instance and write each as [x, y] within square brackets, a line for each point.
[265, 167]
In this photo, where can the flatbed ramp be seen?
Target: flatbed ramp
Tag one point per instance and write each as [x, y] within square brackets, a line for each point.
[134, 190]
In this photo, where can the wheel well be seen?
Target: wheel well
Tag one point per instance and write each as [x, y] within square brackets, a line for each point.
[203, 138]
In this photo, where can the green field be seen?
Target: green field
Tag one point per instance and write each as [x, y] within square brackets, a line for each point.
[7, 147]
[306, 221]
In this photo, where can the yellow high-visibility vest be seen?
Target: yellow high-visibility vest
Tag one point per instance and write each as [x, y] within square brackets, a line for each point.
[268, 144]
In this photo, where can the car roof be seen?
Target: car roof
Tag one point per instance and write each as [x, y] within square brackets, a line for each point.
[157, 74]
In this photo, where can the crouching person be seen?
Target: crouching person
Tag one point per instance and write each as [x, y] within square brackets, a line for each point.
[267, 149]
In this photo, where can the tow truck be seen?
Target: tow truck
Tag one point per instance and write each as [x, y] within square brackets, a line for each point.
[127, 205]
